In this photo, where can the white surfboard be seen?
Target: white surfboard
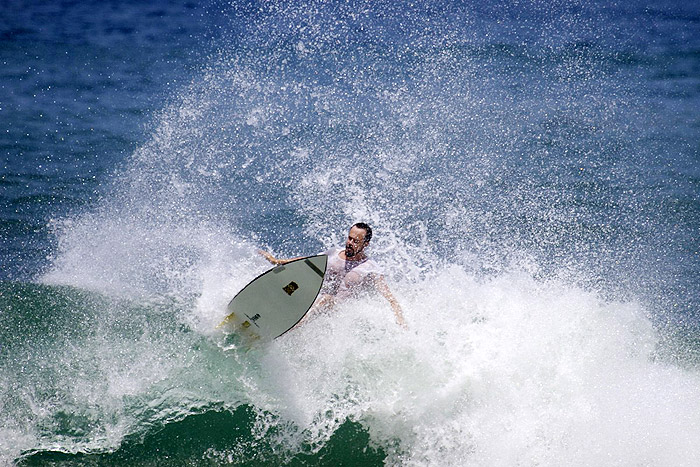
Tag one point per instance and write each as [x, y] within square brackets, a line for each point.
[274, 302]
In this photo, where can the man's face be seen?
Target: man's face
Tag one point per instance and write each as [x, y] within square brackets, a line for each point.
[355, 242]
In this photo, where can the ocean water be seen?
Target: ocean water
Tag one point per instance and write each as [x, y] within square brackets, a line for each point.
[531, 171]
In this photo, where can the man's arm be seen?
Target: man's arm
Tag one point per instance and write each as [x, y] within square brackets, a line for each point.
[277, 261]
[383, 288]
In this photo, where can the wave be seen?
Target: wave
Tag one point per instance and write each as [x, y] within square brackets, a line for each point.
[510, 212]
[493, 371]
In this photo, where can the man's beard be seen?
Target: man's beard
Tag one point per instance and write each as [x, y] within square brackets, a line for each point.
[349, 252]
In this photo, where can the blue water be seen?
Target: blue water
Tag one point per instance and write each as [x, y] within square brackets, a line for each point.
[531, 170]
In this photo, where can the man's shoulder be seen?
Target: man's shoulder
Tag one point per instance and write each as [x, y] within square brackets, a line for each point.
[332, 252]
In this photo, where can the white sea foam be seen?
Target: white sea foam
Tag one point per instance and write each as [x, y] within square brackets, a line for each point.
[497, 370]
[500, 371]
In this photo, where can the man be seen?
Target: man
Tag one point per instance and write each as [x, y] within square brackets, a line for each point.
[350, 271]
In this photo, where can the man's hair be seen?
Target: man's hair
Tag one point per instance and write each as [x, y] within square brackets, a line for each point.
[366, 228]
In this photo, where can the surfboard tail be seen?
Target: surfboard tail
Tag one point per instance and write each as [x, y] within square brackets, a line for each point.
[226, 320]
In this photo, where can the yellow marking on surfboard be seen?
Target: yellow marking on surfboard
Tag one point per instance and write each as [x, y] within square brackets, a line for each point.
[226, 320]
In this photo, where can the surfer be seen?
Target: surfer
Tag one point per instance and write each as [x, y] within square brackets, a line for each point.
[350, 271]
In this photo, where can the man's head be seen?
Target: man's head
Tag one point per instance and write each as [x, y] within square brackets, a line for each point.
[358, 238]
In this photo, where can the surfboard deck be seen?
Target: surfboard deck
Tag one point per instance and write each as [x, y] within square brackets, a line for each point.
[275, 301]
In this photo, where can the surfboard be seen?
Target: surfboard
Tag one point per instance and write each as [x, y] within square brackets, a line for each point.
[275, 301]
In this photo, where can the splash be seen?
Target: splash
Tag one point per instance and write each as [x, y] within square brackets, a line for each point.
[503, 371]
[493, 173]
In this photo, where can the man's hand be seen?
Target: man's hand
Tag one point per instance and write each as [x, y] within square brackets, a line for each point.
[277, 261]
[269, 257]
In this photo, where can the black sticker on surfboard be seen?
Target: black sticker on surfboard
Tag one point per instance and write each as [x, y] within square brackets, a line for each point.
[313, 266]
[290, 288]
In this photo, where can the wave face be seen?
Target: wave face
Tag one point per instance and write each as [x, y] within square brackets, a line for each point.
[530, 172]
